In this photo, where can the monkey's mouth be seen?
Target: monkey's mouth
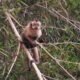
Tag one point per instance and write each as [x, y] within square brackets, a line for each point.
[36, 28]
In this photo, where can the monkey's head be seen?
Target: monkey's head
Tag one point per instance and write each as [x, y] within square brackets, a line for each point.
[35, 24]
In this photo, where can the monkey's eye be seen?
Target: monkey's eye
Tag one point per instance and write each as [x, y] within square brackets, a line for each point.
[35, 24]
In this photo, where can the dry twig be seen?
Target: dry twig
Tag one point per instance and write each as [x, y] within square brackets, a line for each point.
[56, 61]
[12, 65]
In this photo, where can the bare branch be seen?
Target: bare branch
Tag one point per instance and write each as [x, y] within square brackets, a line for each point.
[12, 26]
[16, 21]
[63, 9]
[54, 12]
[56, 61]
[12, 65]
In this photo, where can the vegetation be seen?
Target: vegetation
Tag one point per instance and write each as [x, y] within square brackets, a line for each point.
[61, 35]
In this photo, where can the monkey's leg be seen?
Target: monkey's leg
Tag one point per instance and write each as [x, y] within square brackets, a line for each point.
[35, 53]
[29, 61]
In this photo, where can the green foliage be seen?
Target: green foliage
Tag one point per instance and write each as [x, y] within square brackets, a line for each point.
[61, 38]
[74, 7]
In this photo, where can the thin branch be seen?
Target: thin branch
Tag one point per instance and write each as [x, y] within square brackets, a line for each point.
[14, 61]
[53, 27]
[54, 12]
[12, 26]
[4, 70]
[60, 43]
[63, 8]
[75, 21]
[68, 62]
[48, 77]
[24, 3]
[4, 53]
[66, 19]
[65, 2]
[56, 61]
[16, 20]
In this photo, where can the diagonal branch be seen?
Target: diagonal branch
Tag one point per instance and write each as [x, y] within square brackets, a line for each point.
[56, 61]
[16, 20]
[12, 65]
[54, 12]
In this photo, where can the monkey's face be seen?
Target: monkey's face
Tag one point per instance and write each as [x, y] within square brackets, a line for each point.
[35, 25]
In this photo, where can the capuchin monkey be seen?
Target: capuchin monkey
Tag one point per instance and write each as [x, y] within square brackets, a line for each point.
[31, 33]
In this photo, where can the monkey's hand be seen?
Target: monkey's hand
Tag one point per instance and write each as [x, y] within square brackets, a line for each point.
[33, 42]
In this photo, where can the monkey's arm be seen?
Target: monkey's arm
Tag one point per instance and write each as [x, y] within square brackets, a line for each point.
[29, 43]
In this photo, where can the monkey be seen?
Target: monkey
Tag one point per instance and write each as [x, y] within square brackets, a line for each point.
[31, 33]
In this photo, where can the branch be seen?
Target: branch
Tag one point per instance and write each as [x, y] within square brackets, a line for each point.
[56, 61]
[48, 77]
[54, 12]
[65, 11]
[16, 21]
[60, 43]
[13, 27]
[17, 53]
[65, 19]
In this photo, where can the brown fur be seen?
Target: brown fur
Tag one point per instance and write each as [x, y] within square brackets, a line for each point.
[30, 35]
